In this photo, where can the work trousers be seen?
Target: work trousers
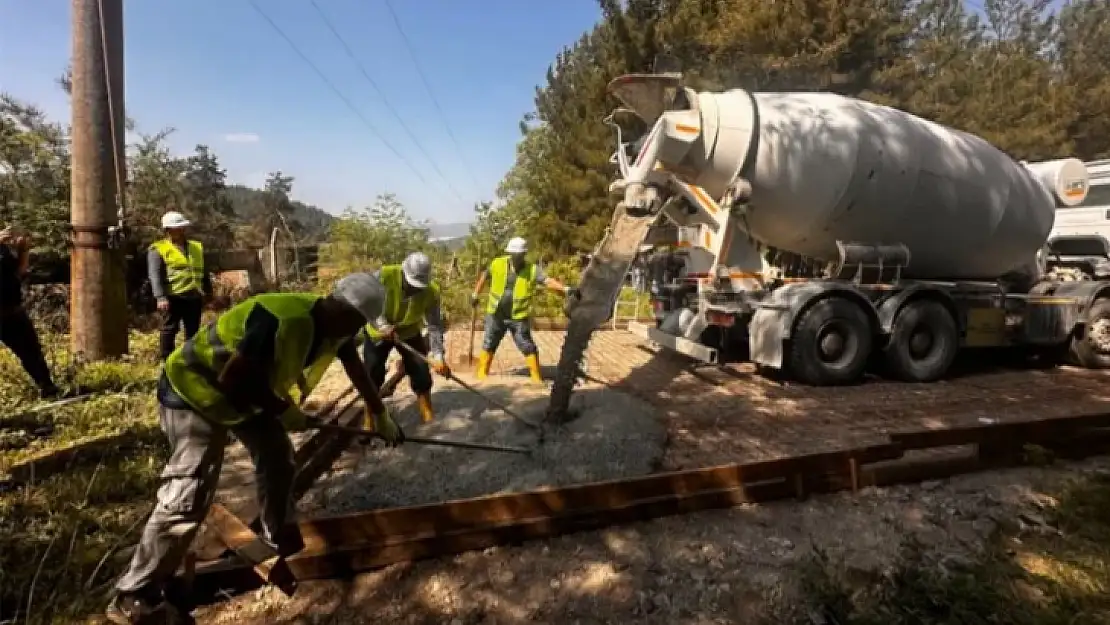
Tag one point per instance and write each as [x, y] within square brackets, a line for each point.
[188, 489]
[184, 311]
[374, 356]
[496, 327]
[18, 333]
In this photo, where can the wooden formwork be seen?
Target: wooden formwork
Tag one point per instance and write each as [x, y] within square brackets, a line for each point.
[344, 545]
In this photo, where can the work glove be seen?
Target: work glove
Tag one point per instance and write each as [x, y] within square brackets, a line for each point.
[440, 367]
[383, 425]
[475, 299]
[389, 334]
[294, 419]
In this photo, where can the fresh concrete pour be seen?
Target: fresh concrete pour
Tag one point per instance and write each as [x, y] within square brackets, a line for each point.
[614, 436]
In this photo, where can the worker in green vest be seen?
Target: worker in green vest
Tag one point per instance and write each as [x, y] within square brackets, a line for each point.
[178, 280]
[412, 302]
[509, 308]
[245, 374]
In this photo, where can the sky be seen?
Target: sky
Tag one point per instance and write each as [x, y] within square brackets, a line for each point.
[217, 72]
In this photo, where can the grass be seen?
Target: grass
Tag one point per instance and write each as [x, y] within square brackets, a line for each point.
[58, 536]
[1023, 577]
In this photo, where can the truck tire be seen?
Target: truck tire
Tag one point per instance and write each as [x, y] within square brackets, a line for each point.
[831, 343]
[1091, 350]
[923, 342]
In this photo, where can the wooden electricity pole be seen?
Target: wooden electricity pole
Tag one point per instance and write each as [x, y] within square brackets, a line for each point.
[98, 300]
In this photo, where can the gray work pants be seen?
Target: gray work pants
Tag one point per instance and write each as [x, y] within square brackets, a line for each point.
[188, 488]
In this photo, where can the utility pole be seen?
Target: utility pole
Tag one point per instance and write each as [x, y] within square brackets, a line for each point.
[98, 300]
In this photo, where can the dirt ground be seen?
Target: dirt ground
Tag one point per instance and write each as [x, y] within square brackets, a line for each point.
[719, 567]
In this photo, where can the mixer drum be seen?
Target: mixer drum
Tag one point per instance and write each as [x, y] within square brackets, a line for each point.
[824, 167]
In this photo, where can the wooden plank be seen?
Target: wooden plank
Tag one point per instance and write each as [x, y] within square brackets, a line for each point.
[373, 526]
[265, 561]
[346, 560]
[58, 460]
[1042, 429]
[352, 543]
[328, 447]
[394, 535]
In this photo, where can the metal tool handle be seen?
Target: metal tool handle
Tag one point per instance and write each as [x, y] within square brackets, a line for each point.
[456, 380]
[316, 424]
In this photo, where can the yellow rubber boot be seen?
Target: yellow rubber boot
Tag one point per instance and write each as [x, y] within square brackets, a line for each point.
[534, 368]
[484, 360]
[424, 403]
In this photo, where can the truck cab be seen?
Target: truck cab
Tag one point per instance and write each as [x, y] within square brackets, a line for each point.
[1078, 247]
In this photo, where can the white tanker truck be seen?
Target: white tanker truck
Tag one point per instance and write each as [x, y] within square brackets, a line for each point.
[822, 234]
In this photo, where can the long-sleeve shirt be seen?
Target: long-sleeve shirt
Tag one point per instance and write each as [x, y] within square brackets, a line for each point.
[433, 319]
[159, 279]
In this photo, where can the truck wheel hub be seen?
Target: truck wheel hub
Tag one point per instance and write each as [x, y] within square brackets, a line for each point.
[921, 343]
[1099, 335]
[831, 345]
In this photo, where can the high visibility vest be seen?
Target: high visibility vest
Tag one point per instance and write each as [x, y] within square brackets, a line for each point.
[523, 288]
[184, 273]
[193, 368]
[407, 320]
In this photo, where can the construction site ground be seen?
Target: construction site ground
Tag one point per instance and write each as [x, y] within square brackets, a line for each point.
[715, 567]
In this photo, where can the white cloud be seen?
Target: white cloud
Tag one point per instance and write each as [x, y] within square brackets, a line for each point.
[242, 137]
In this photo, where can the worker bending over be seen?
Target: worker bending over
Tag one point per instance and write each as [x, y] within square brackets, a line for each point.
[510, 308]
[245, 374]
[412, 301]
[178, 280]
[17, 331]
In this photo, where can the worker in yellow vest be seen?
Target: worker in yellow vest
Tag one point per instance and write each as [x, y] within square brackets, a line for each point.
[178, 280]
[412, 302]
[245, 374]
[509, 308]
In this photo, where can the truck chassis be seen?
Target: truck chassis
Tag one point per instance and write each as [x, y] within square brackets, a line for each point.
[830, 331]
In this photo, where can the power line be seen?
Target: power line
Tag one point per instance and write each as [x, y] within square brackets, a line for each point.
[431, 94]
[337, 92]
[381, 94]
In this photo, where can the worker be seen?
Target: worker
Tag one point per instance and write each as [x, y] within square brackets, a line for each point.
[412, 301]
[17, 331]
[510, 309]
[178, 280]
[245, 374]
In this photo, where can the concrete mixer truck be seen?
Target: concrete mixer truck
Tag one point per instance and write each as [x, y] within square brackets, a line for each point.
[822, 235]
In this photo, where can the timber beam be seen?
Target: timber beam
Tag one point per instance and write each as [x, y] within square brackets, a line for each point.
[344, 545]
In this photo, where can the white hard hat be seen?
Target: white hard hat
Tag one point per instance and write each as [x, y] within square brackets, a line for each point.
[174, 219]
[363, 292]
[417, 269]
[516, 245]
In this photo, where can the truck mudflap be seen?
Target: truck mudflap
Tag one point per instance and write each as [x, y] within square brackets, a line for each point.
[773, 321]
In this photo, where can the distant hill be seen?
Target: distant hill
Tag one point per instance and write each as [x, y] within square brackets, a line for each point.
[313, 221]
[448, 231]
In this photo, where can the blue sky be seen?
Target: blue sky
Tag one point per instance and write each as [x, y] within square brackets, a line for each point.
[219, 74]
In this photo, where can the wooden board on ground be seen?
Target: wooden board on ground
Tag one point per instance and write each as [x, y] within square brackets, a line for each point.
[50, 463]
[266, 562]
[342, 545]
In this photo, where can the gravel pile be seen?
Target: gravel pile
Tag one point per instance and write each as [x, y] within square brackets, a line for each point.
[614, 436]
